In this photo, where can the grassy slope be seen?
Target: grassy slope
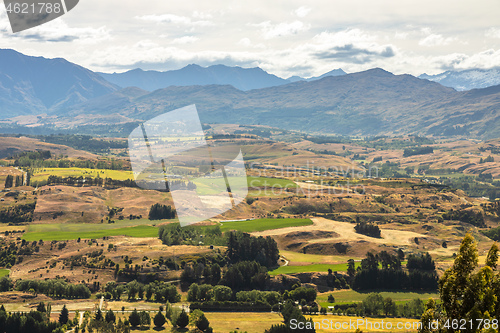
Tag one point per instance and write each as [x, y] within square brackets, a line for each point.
[66, 231]
[351, 296]
[44, 173]
[4, 272]
[264, 224]
[137, 231]
[311, 268]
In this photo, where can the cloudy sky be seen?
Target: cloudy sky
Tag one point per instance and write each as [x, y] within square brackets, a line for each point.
[283, 37]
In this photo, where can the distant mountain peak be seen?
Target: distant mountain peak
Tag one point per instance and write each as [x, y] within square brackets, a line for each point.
[193, 74]
[466, 79]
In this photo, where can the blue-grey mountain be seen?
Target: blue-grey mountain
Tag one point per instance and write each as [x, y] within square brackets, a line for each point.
[35, 85]
[194, 75]
[466, 79]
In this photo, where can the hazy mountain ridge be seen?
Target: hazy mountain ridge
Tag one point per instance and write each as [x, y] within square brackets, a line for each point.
[34, 85]
[372, 102]
[240, 78]
[466, 79]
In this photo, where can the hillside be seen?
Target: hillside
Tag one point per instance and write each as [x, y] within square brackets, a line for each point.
[240, 78]
[374, 102]
[35, 85]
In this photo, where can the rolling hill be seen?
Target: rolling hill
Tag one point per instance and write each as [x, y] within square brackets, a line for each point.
[373, 102]
[369, 103]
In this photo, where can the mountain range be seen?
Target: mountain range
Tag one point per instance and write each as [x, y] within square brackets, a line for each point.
[34, 85]
[466, 79]
[373, 102]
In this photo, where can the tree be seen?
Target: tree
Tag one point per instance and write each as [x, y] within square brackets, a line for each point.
[9, 181]
[98, 315]
[145, 319]
[202, 322]
[64, 316]
[159, 320]
[134, 318]
[467, 294]
[182, 320]
[351, 268]
[41, 307]
[110, 316]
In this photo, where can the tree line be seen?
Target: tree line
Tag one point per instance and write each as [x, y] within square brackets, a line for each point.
[54, 288]
[18, 213]
[160, 212]
[391, 275]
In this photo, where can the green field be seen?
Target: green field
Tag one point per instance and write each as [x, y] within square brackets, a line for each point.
[4, 272]
[67, 231]
[208, 186]
[44, 173]
[315, 268]
[264, 224]
[351, 296]
[311, 268]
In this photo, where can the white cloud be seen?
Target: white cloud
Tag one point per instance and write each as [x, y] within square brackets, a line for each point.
[436, 40]
[401, 35]
[493, 32]
[175, 19]
[185, 40]
[56, 31]
[302, 11]
[282, 29]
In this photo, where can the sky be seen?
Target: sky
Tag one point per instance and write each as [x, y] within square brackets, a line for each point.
[283, 37]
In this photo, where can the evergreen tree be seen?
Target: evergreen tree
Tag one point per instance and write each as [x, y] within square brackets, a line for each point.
[9, 181]
[159, 320]
[466, 293]
[134, 318]
[40, 307]
[182, 320]
[110, 316]
[98, 315]
[64, 316]
[202, 322]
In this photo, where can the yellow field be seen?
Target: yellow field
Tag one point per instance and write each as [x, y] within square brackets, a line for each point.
[44, 173]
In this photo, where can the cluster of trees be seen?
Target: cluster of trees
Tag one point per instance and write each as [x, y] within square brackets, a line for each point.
[391, 276]
[44, 159]
[293, 321]
[245, 275]
[11, 181]
[244, 247]
[417, 151]
[368, 229]
[54, 288]
[421, 262]
[18, 213]
[173, 234]
[211, 272]
[486, 160]
[335, 280]
[88, 181]
[8, 254]
[468, 294]
[29, 322]
[493, 233]
[158, 291]
[160, 212]
[375, 305]
[467, 216]
[85, 142]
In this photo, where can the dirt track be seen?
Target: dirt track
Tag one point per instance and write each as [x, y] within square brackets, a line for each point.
[346, 232]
